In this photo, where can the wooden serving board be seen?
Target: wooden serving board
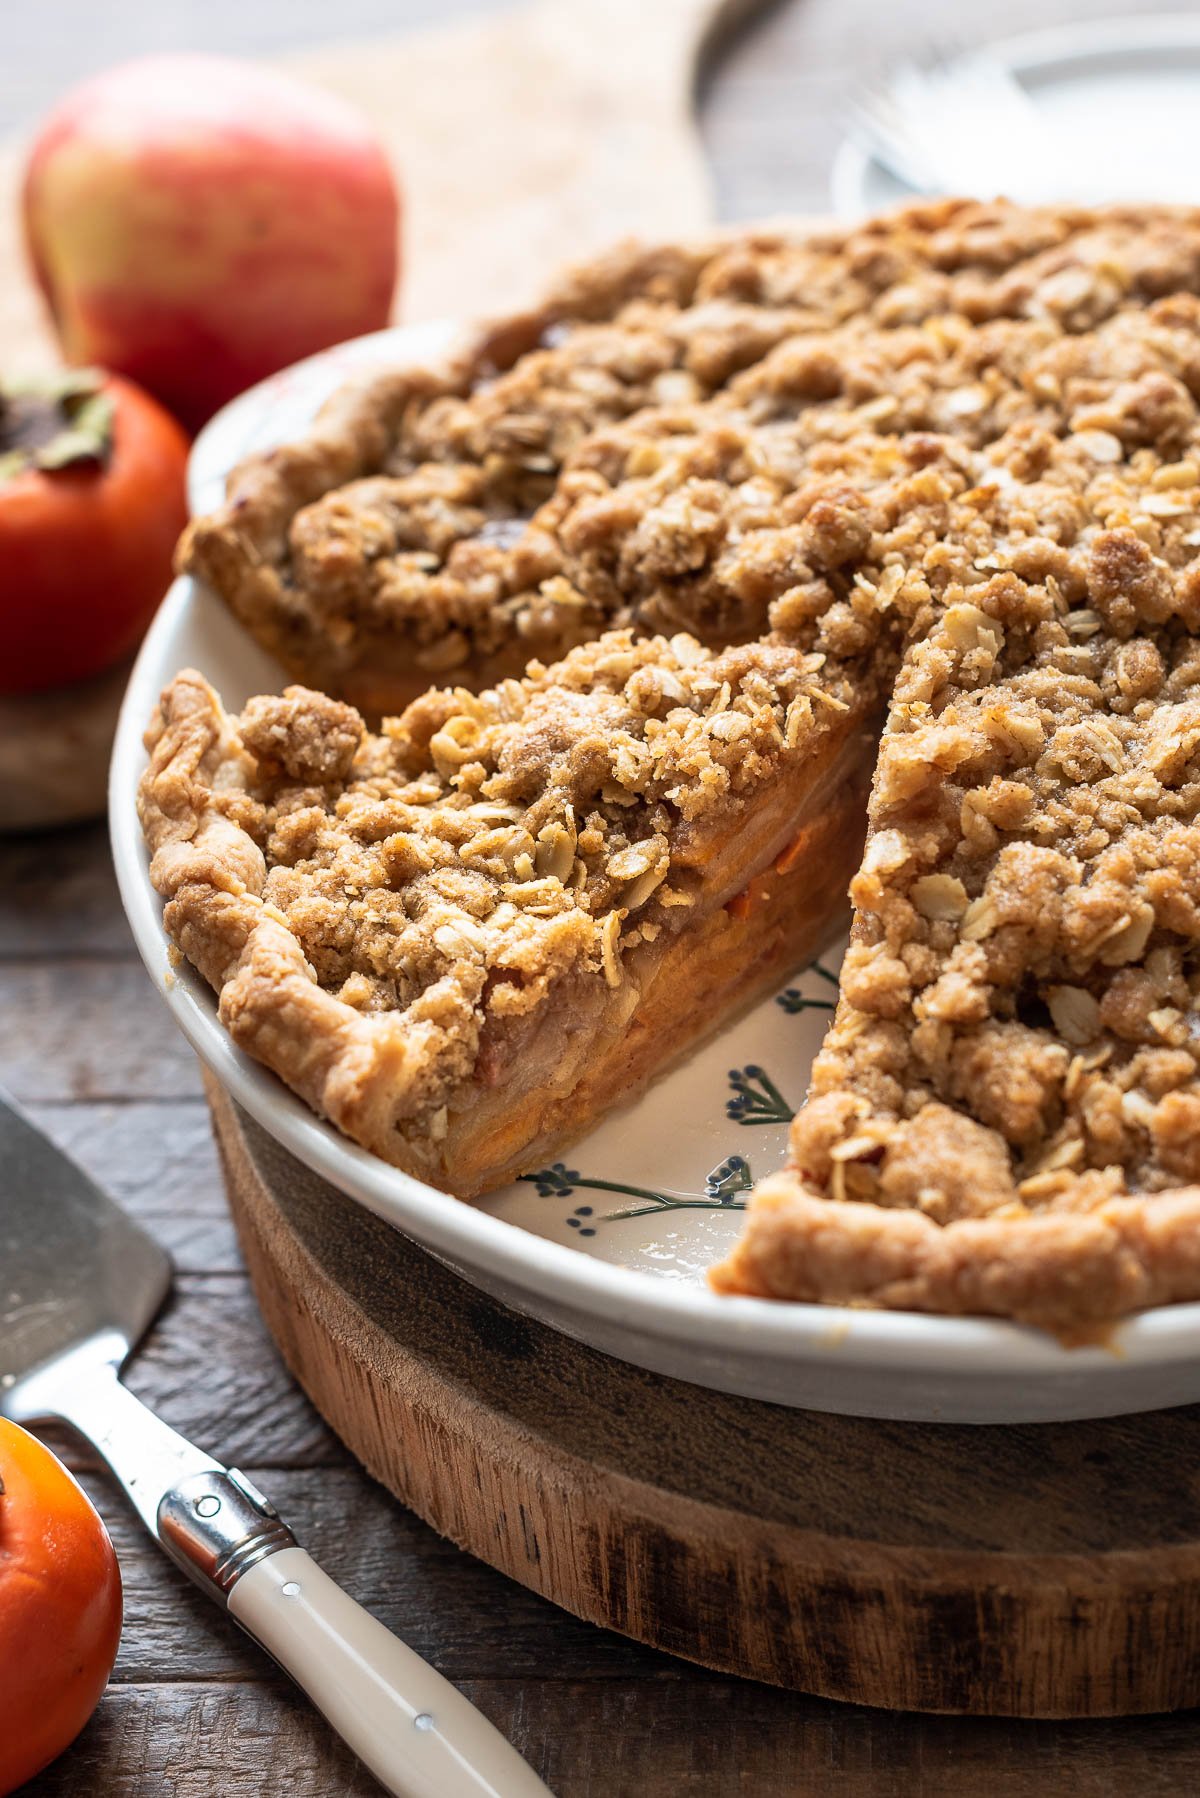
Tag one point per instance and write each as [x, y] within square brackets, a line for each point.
[1050, 1570]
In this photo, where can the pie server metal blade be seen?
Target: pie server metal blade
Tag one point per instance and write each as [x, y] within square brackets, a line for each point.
[78, 1278]
[80, 1282]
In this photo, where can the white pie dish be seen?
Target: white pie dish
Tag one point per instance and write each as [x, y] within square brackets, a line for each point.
[1141, 70]
[630, 1285]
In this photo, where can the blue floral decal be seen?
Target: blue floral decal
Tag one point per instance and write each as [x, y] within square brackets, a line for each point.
[795, 1001]
[560, 1182]
[756, 1098]
[730, 1176]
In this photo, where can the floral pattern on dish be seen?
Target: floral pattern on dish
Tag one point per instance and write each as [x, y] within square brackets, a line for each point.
[660, 1184]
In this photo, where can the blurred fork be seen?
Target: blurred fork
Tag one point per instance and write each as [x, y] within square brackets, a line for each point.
[962, 124]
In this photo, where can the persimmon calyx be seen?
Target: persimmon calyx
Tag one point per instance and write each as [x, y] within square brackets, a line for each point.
[54, 421]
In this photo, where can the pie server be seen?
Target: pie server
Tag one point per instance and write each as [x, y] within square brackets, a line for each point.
[80, 1282]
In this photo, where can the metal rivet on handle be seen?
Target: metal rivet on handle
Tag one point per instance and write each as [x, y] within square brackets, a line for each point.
[208, 1506]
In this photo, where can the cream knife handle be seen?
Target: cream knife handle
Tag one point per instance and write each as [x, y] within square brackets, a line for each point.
[419, 1736]
[415, 1731]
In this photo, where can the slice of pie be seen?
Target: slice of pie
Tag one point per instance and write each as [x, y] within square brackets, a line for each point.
[943, 474]
[463, 938]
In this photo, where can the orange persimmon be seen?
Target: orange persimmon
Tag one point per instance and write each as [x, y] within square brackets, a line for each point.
[60, 1607]
[92, 503]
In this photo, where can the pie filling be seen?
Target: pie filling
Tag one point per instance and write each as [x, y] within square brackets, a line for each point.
[945, 469]
[592, 1047]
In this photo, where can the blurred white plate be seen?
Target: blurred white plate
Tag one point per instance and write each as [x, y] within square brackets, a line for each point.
[610, 1243]
[1122, 96]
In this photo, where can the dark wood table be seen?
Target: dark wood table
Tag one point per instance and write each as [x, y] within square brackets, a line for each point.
[86, 1043]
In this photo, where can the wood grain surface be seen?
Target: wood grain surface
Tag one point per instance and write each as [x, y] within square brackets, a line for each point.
[194, 1708]
[1045, 1571]
[194, 1711]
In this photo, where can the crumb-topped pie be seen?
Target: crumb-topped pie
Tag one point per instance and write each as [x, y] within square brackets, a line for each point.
[685, 541]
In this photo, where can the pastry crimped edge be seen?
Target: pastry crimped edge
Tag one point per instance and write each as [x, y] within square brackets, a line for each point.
[211, 873]
[1075, 1274]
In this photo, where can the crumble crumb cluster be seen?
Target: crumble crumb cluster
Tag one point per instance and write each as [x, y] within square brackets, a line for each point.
[948, 465]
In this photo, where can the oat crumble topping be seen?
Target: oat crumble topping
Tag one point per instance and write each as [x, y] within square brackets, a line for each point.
[450, 526]
[734, 498]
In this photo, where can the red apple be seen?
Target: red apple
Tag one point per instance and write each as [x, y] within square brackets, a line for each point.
[197, 223]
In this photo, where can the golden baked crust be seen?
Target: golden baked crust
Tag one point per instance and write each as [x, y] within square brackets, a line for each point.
[950, 462]
[444, 525]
